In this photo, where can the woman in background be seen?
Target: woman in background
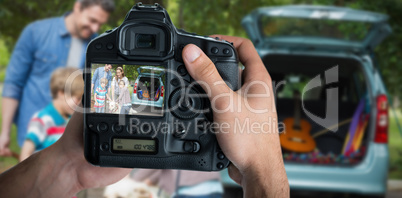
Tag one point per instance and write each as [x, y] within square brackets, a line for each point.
[124, 100]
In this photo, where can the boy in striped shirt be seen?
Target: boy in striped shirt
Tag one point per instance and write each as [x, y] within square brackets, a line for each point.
[47, 125]
[100, 96]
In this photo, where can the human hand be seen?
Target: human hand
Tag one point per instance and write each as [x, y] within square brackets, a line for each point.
[255, 151]
[59, 170]
[4, 144]
[71, 147]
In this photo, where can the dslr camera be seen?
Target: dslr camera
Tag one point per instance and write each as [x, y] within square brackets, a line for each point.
[141, 107]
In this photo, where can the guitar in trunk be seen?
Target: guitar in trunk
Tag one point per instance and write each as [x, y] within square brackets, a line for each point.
[296, 136]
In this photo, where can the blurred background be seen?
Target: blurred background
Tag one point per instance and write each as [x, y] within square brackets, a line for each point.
[220, 17]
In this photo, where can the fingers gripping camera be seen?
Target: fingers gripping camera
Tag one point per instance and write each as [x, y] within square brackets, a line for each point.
[142, 108]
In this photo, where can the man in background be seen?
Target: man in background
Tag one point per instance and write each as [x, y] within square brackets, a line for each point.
[44, 46]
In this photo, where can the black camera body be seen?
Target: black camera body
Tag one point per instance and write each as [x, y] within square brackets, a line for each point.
[167, 122]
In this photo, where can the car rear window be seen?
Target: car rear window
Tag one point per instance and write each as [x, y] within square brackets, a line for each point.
[302, 27]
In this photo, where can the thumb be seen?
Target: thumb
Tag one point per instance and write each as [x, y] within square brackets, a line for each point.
[203, 70]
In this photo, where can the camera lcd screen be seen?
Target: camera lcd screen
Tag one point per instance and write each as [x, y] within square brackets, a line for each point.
[127, 89]
[135, 145]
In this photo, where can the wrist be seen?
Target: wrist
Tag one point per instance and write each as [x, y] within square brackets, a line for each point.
[265, 183]
[266, 178]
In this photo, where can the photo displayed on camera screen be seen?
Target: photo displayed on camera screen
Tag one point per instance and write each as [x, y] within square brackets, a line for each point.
[128, 89]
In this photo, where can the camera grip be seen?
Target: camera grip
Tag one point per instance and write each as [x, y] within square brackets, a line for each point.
[229, 72]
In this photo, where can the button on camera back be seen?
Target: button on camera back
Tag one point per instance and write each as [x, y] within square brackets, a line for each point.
[102, 127]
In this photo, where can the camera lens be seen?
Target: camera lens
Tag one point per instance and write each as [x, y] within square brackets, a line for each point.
[145, 41]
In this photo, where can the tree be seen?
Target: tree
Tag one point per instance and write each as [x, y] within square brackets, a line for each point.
[210, 17]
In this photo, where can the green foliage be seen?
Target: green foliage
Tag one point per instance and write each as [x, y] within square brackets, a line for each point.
[4, 58]
[4, 55]
[16, 14]
[395, 150]
[213, 17]
[131, 73]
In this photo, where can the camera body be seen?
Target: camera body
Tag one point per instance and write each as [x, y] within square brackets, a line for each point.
[165, 122]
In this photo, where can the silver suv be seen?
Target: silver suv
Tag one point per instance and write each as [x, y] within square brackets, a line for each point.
[326, 54]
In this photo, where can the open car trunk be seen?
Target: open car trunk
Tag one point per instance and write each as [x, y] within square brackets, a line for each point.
[344, 93]
[148, 89]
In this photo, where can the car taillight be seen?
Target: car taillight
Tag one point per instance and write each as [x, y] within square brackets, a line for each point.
[135, 88]
[162, 91]
[381, 133]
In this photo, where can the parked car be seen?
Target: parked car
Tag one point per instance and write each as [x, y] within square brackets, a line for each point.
[332, 47]
[148, 88]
